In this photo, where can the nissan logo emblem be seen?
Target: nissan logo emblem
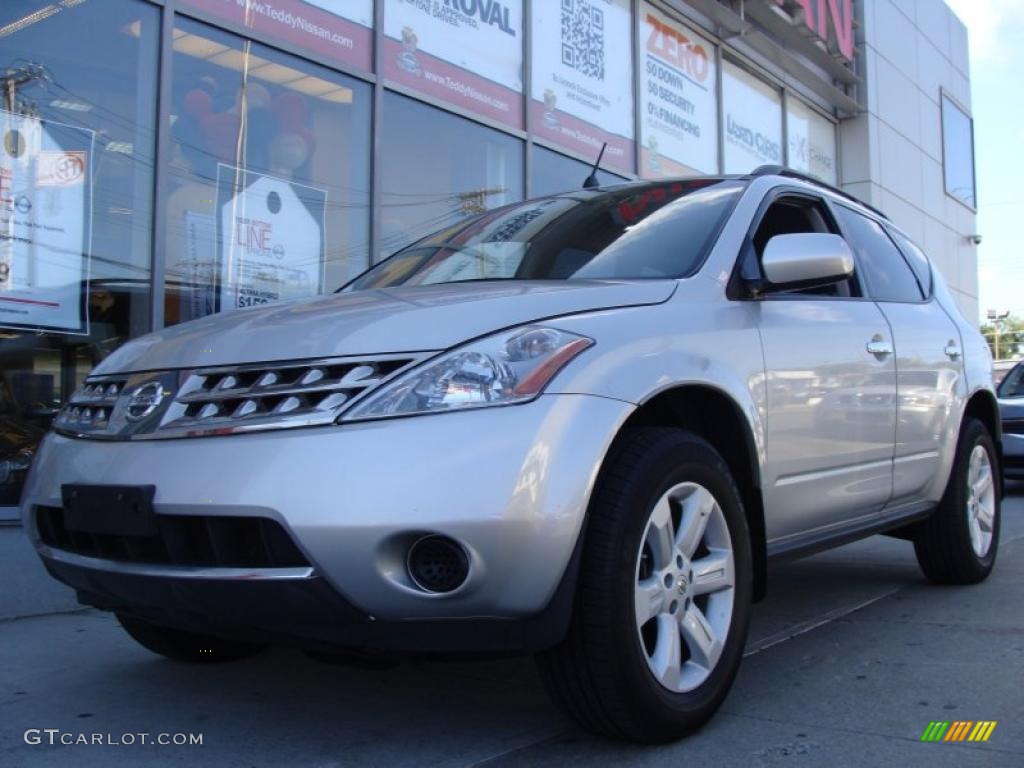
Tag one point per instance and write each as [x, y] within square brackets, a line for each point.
[143, 401]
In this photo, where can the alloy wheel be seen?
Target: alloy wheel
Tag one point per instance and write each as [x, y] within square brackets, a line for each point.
[981, 500]
[685, 587]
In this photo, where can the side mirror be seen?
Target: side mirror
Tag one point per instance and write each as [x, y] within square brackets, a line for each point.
[806, 260]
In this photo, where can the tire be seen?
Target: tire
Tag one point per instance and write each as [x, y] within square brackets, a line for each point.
[180, 645]
[947, 550]
[604, 673]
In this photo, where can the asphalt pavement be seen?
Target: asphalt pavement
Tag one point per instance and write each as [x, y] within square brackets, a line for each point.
[850, 658]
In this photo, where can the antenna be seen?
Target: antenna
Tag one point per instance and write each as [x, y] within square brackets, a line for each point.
[591, 181]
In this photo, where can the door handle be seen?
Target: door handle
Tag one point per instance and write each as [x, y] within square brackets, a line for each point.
[952, 350]
[879, 347]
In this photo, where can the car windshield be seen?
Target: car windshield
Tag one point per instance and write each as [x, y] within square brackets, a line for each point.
[656, 230]
[1013, 384]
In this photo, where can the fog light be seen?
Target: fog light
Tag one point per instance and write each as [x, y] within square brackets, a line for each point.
[437, 564]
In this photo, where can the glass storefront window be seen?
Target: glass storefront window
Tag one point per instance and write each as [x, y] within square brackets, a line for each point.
[269, 176]
[958, 152]
[437, 168]
[469, 54]
[678, 100]
[553, 172]
[753, 121]
[812, 141]
[78, 124]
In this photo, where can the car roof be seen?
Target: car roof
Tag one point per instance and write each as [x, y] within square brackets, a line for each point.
[784, 173]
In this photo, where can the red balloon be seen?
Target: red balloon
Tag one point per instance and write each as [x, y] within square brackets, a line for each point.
[291, 109]
[197, 103]
[221, 133]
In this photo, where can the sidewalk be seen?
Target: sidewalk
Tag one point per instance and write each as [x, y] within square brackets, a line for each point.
[26, 589]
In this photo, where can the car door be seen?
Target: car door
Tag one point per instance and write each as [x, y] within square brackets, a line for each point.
[929, 368]
[830, 386]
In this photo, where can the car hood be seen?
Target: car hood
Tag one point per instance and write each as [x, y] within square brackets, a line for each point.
[400, 319]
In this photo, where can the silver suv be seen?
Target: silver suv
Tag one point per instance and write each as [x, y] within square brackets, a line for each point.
[579, 426]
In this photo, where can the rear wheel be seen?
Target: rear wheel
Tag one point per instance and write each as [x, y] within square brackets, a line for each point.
[663, 603]
[180, 645]
[958, 543]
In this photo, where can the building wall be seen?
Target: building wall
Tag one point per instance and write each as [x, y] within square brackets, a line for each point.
[910, 51]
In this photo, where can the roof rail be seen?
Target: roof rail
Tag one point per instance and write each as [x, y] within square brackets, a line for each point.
[781, 170]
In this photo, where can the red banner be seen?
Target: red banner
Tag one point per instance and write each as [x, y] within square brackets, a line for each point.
[436, 77]
[303, 25]
[580, 136]
[657, 166]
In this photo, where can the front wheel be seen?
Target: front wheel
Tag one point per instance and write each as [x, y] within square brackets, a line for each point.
[958, 543]
[664, 596]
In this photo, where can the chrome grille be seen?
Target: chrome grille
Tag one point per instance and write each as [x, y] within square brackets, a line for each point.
[227, 399]
[92, 406]
[240, 395]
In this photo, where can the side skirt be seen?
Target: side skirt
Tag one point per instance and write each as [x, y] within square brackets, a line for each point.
[818, 541]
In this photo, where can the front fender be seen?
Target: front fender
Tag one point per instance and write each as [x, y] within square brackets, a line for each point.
[691, 339]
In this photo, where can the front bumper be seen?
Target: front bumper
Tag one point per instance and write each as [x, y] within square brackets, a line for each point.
[298, 609]
[511, 484]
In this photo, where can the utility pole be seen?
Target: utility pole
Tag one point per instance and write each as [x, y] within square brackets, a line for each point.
[14, 78]
[997, 318]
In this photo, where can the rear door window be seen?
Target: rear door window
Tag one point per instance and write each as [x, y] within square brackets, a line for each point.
[888, 275]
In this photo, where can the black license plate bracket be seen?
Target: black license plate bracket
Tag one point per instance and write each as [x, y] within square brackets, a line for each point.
[125, 510]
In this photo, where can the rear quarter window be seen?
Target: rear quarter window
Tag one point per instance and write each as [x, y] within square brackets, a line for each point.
[916, 259]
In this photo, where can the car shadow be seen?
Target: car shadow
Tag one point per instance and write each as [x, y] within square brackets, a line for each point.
[477, 708]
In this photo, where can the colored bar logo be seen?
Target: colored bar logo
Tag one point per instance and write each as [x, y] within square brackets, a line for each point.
[959, 730]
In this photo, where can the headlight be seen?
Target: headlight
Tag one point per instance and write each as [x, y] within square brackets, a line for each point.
[509, 367]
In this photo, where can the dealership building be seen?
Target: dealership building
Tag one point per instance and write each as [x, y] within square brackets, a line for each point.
[162, 160]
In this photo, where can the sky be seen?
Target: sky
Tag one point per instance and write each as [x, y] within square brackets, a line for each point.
[996, 38]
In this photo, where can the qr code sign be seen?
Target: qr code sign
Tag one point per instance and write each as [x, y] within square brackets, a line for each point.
[583, 37]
